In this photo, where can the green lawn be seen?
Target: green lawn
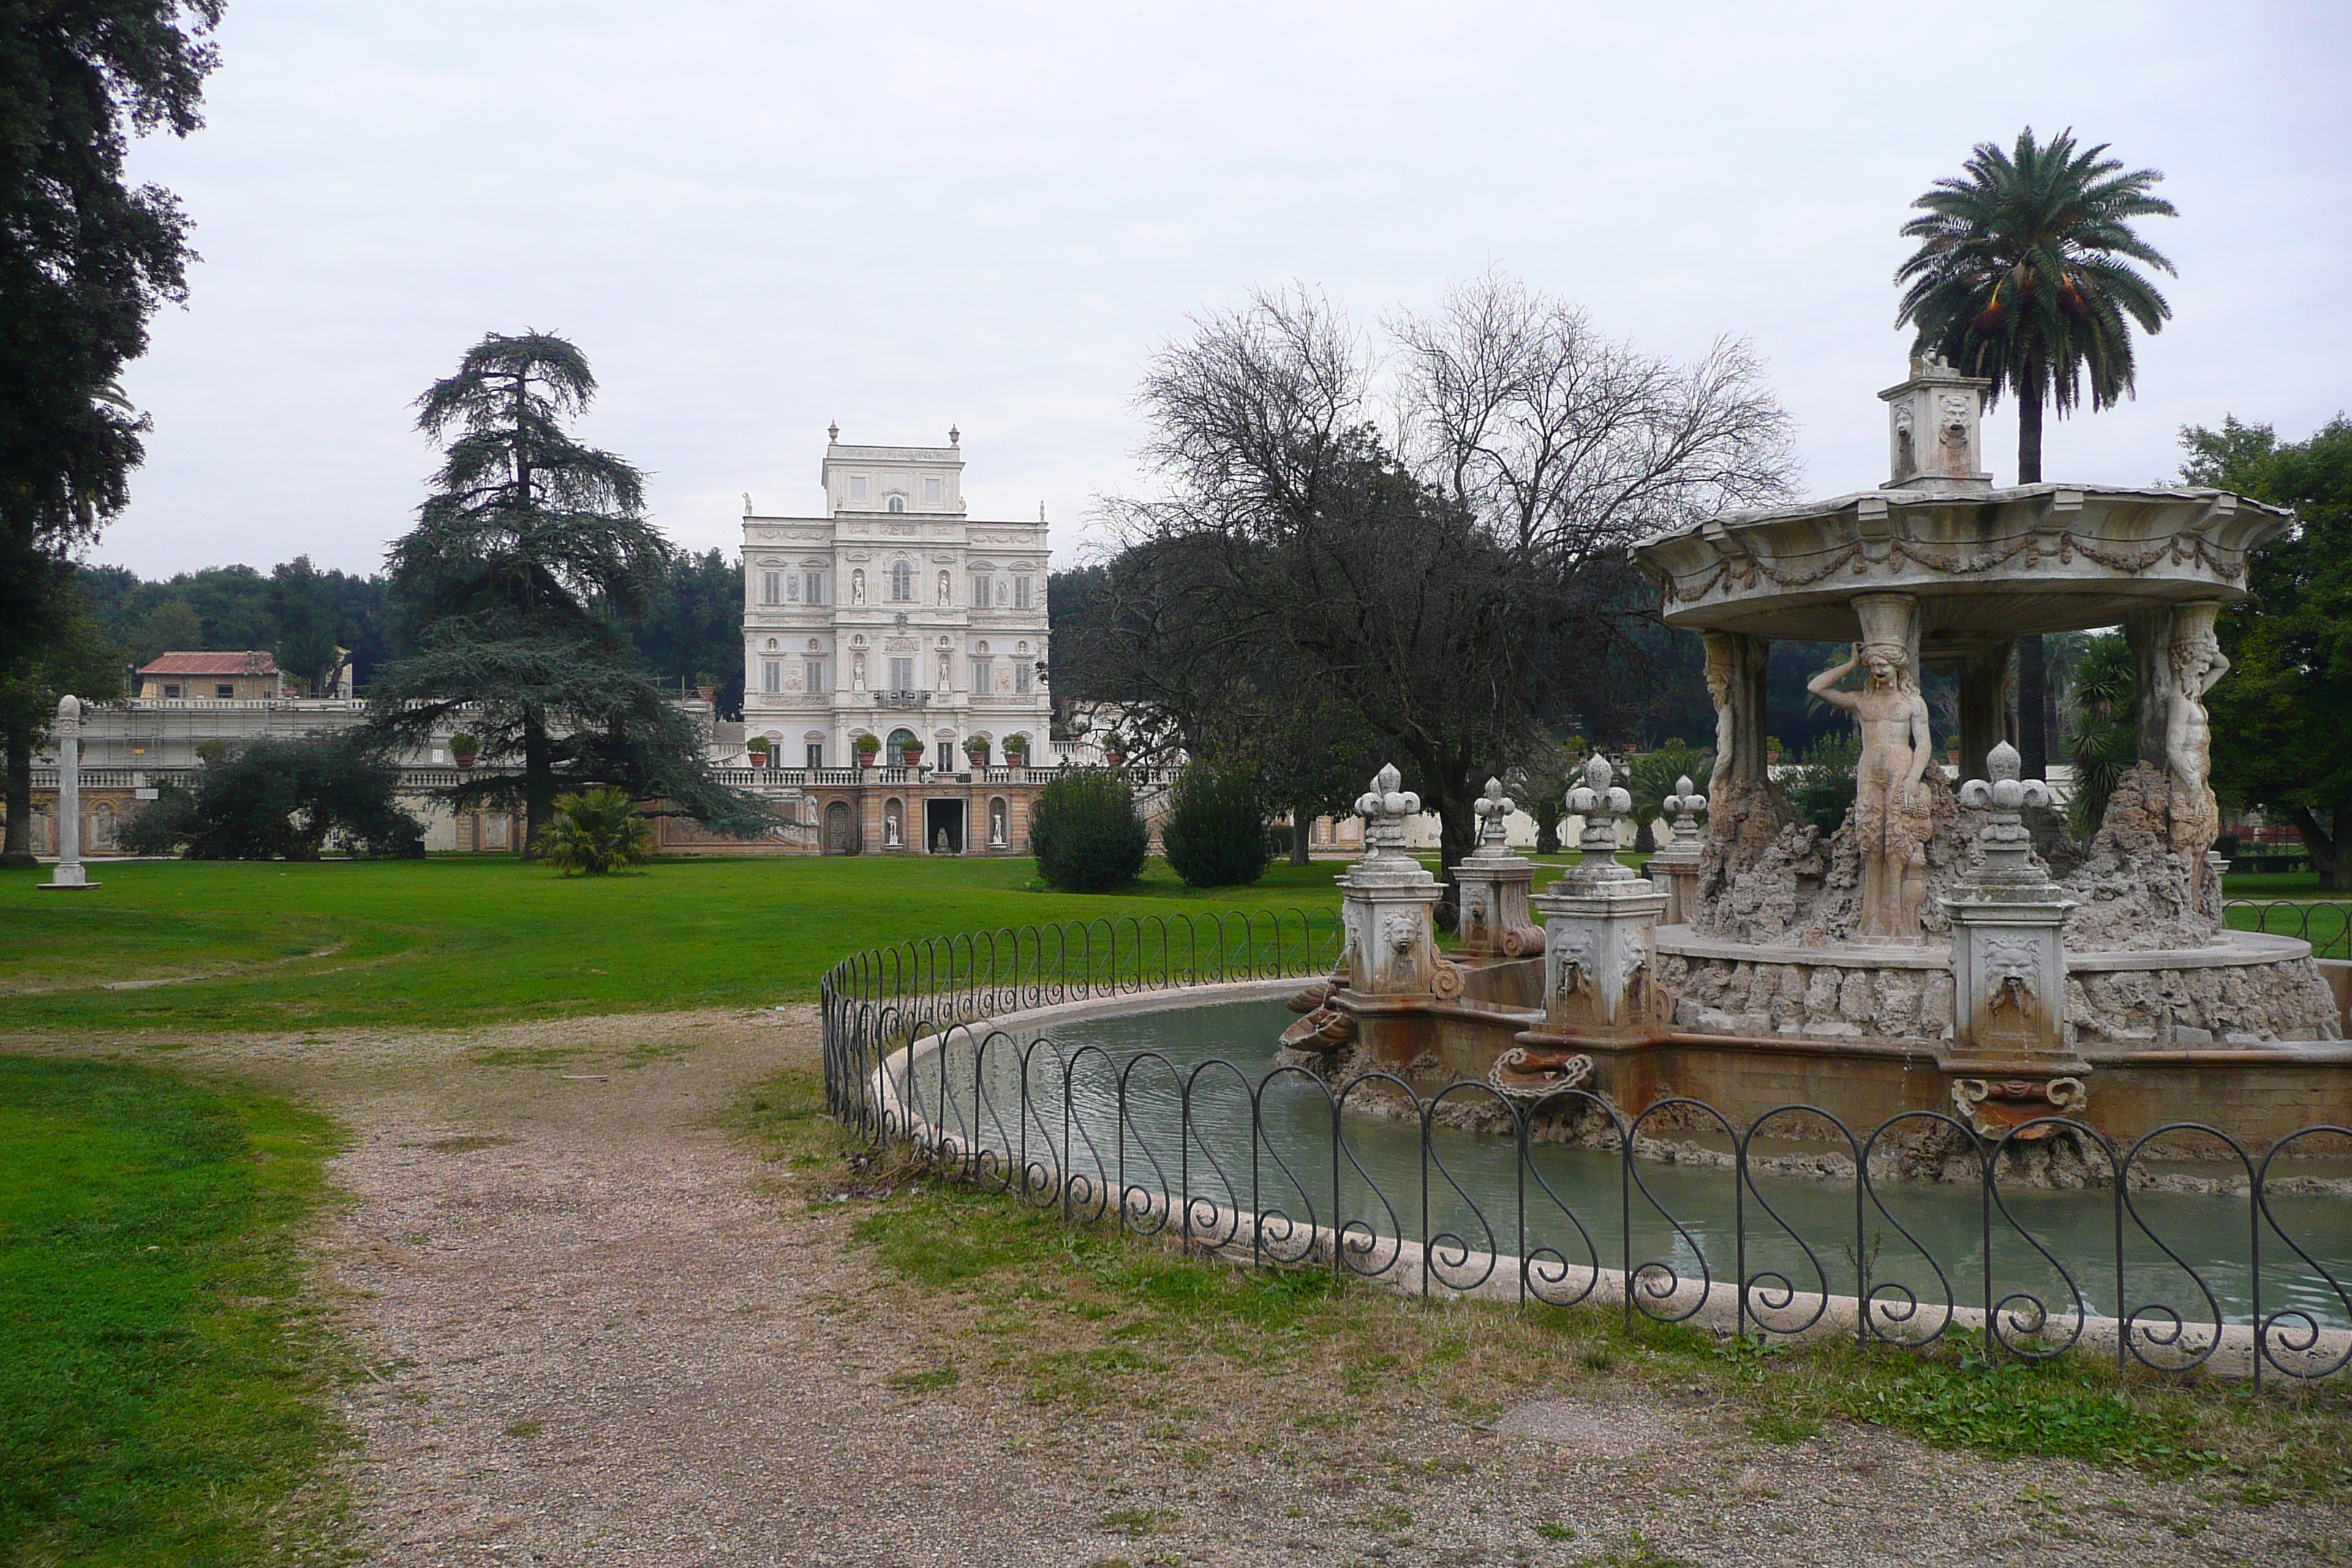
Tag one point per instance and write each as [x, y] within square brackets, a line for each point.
[159, 1380]
[465, 940]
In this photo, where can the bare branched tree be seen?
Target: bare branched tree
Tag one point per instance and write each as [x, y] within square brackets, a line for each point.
[1456, 588]
[1568, 445]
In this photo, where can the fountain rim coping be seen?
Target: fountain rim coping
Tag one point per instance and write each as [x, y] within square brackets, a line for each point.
[2233, 1358]
[2234, 949]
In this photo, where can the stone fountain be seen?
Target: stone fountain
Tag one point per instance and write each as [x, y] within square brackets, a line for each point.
[1946, 948]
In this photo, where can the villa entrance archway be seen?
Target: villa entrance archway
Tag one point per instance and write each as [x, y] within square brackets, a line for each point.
[943, 817]
[837, 836]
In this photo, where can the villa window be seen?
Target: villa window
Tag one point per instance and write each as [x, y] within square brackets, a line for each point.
[813, 676]
[172, 690]
[772, 587]
[1021, 677]
[224, 690]
[980, 589]
[1021, 592]
[771, 675]
[816, 753]
[902, 584]
[897, 503]
[902, 675]
[814, 586]
[983, 674]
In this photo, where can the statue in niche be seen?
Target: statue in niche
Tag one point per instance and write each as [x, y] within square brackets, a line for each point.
[945, 590]
[890, 826]
[857, 586]
[2197, 663]
[857, 671]
[996, 824]
[1722, 685]
[940, 845]
[1890, 807]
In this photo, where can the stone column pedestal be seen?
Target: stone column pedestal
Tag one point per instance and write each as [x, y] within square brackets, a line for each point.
[1676, 863]
[2008, 1059]
[69, 875]
[1597, 924]
[1388, 900]
[1495, 923]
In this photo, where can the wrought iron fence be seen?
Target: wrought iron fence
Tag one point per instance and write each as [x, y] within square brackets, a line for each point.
[1276, 1166]
[2326, 924]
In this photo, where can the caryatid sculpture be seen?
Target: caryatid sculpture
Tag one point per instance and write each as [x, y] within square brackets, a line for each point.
[2196, 663]
[1890, 813]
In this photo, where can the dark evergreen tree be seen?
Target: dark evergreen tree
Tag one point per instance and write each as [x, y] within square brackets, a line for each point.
[282, 799]
[531, 552]
[86, 258]
[66, 653]
[693, 632]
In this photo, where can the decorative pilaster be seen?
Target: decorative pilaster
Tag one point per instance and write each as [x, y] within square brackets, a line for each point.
[1678, 860]
[1597, 922]
[2009, 1055]
[68, 873]
[1493, 884]
[1388, 899]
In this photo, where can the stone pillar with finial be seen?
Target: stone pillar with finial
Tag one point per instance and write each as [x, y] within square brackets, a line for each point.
[1597, 920]
[1676, 861]
[2008, 1059]
[69, 875]
[1388, 898]
[1493, 884]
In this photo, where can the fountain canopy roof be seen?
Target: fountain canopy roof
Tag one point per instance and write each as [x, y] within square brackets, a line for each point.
[1984, 565]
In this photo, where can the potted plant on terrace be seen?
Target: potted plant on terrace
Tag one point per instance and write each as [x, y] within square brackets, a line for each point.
[975, 751]
[757, 746]
[464, 749]
[867, 749]
[910, 753]
[1016, 751]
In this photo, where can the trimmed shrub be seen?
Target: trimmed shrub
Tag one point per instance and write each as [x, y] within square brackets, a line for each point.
[1086, 834]
[1215, 831]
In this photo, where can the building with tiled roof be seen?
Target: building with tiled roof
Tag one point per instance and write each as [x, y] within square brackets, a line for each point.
[245, 676]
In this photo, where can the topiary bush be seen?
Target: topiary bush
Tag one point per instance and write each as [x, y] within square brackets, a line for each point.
[1086, 834]
[1215, 832]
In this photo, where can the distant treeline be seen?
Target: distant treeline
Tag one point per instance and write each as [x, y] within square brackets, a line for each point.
[693, 636]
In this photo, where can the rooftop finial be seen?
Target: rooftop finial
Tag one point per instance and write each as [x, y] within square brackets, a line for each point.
[1041, 511]
[955, 436]
[834, 430]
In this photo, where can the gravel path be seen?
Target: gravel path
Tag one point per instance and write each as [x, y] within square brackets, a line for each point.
[597, 1333]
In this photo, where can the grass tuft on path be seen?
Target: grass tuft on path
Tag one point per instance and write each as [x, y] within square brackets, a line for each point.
[163, 1379]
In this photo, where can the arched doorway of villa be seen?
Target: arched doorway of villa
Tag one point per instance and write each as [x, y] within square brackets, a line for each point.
[838, 840]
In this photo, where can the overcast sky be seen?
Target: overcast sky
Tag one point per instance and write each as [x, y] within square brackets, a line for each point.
[757, 218]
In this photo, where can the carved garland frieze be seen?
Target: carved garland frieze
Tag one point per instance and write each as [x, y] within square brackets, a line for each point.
[1741, 570]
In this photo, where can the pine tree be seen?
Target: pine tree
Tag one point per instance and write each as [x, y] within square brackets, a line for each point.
[528, 560]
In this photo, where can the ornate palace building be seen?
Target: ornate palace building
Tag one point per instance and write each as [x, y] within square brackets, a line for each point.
[897, 642]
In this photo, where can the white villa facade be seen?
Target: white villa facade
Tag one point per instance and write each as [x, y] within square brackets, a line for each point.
[897, 616]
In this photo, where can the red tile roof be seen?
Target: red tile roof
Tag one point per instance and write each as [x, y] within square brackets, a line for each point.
[248, 663]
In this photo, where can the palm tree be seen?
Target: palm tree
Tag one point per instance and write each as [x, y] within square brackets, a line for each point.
[2024, 274]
